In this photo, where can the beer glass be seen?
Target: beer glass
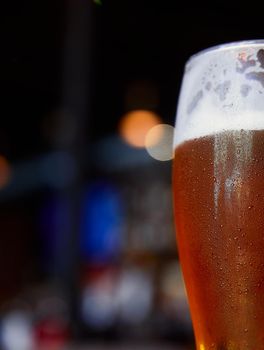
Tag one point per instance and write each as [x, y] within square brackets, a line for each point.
[218, 181]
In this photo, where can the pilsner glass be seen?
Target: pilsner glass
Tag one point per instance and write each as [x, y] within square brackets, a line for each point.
[218, 181]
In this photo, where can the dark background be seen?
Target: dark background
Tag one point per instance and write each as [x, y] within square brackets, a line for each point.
[69, 71]
[129, 41]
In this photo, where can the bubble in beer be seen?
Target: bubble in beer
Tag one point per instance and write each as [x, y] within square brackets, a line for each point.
[159, 142]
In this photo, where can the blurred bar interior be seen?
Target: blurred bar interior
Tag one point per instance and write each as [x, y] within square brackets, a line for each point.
[88, 255]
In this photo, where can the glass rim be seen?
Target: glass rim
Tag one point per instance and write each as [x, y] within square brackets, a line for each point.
[226, 46]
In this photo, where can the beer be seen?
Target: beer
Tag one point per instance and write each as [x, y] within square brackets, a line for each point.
[218, 181]
[219, 209]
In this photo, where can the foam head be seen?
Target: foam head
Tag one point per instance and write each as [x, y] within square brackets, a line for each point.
[222, 89]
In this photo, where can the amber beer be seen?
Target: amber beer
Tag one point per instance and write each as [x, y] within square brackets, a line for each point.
[219, 201]
[218, 181]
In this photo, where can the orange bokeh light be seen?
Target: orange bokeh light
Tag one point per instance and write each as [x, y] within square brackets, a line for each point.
[135, 125]
[4, 172]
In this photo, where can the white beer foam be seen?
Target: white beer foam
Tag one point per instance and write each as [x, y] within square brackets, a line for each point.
[222, 89]
[210, 121]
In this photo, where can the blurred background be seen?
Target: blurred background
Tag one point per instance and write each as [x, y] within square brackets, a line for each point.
[88, 257]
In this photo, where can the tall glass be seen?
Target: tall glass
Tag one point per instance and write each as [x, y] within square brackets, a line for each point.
[218, 179]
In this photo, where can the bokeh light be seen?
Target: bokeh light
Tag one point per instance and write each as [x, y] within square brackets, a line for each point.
[159, 142]
[135, 125]
[16, 332]
[5, 172]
